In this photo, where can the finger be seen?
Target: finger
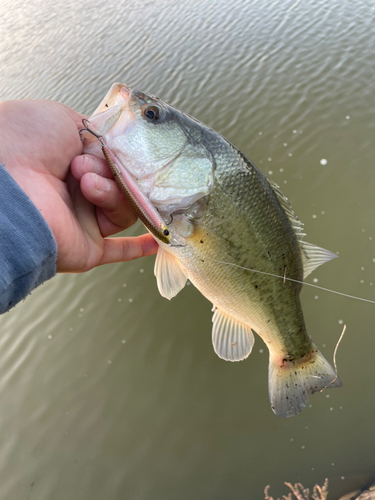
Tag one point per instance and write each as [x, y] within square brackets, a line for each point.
[116, 213]
[125, 249]
[84, 164]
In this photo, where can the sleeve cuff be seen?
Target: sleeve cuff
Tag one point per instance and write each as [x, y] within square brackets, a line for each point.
[28, 249]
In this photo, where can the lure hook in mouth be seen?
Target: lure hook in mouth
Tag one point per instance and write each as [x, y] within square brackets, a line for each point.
[87, 129]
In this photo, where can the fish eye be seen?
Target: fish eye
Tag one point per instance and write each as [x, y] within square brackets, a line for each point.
[152, 113]
[166, 232]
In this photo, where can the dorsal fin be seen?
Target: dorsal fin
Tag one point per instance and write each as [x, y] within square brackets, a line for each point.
[312, 255]
[297, 225]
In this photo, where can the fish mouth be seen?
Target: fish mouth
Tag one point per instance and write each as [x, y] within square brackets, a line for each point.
[117, 94]
[109, 111]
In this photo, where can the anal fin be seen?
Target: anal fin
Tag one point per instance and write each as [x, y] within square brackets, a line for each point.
[169, 275]
[232, 341]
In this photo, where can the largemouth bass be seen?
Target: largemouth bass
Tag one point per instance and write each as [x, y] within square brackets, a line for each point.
[227, 222]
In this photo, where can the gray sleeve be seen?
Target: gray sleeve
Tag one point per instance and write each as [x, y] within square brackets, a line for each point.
[28, 249]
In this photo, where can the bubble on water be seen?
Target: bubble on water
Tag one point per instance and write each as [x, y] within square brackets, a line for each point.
[363, 230]
[50, 336]
[291, 439]
[261, 351]
[260, 133]
[285, 144]
[324, 345]
[362, 268]
[312, 468]
[81, 310]
[332, 464]
[373, 260]
[323, 161]
[294, 131]
[306, 427]
[370, 238]
[124, 285]
[362, 281]
[188, 283]
[341, 322]
[310, 406]
[316, 297]
[71, 329]
[119, 299]
[322, 212]
[123, 341]
[328, 396]
[285, 182]
[270, 172]
[315, 280]
[331, 409]
[290, 154]
[303, 446]
[281, 170]
[342, 477]
[141, 270]
[109, 361]
[347, 117]
[269, 159]
[341, 407]
[130, 300]
[314, 216]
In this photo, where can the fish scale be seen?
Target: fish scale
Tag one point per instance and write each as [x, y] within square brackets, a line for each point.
[229, 220]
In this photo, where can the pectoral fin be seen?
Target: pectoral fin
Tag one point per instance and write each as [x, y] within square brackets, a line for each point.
[170, 278]
[232, 341]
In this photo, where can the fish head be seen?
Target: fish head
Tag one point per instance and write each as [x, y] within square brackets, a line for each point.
[156, 143]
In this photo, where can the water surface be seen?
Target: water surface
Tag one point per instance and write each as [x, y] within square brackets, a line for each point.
[110, 391]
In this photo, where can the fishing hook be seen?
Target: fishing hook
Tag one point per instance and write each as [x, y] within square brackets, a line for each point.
[86, 128]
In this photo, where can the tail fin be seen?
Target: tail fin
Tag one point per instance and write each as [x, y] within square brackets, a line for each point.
[291, 382]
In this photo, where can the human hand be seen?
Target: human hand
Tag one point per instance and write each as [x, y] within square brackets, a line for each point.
[83, 206]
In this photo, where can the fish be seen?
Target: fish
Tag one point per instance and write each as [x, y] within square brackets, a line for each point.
[233, 235]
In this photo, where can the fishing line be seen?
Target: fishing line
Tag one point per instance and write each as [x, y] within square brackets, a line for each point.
[335, 351]
[284, 278]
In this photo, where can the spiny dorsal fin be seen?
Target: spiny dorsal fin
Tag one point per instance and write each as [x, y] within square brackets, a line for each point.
[169, 276]
[231, 340]
[297, 225]
[312, 256]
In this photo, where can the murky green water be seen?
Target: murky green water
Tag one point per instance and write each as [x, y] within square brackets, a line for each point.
[108, 391]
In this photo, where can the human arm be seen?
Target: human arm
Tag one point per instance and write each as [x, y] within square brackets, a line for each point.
[39, 140]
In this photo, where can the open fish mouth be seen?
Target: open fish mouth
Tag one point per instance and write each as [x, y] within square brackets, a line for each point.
[114, 106]
[118, 94]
